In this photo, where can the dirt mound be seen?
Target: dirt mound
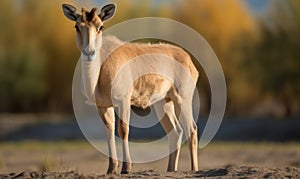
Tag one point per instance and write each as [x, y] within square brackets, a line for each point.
[225, 172]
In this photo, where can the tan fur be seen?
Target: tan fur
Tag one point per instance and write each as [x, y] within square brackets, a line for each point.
[105, 57]
[147, 86]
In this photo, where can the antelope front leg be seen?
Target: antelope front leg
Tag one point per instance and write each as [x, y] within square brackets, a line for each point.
[108, 118]
[123, 130]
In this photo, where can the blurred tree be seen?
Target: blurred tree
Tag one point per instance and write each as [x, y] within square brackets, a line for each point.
[275, 63]
[22, 64]
[38, 53]
[37, 57]
[229, 27]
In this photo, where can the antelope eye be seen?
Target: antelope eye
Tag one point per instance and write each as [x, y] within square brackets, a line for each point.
[100, 28]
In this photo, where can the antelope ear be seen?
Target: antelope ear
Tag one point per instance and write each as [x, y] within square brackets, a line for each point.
[70, 12]
[107, 12]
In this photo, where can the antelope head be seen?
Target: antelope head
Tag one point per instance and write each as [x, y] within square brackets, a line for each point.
[89, 27]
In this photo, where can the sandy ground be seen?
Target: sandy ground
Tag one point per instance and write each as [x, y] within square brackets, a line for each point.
[225, 172]
[218, 160]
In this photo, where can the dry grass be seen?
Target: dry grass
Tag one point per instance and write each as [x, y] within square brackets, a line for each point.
[49, 165]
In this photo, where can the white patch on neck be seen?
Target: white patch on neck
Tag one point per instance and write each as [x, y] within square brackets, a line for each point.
[91, 68]
[90, 75]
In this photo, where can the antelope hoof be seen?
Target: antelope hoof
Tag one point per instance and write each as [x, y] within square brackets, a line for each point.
[111, 172]
[171, 170]
[112, 168]
[126, 168]
[124, 172]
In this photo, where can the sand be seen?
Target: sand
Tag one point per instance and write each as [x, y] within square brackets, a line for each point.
[225, 172]
[218, 160]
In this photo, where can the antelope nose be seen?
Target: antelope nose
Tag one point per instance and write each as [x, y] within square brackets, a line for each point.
[88, 53]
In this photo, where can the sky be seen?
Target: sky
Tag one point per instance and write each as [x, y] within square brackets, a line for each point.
[255, 5]
[258, 5]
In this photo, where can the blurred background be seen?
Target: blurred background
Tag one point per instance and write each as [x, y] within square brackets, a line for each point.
[256, 41]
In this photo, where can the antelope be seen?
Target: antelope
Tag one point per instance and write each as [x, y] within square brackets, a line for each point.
[99, 71]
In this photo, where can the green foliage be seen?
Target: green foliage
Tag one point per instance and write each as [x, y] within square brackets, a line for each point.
[275, 64]
[22, 64]
[36, 50]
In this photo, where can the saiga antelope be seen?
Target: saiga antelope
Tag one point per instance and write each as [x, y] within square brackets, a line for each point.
[98, 74]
